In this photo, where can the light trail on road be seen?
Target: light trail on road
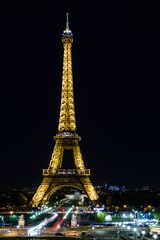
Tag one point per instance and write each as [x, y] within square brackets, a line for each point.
[59, 222]
[33, 231]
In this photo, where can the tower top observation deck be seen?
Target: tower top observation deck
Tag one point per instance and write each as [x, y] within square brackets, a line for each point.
[67, 32]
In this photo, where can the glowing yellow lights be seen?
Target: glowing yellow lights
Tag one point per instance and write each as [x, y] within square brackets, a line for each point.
[66, 139]
[56, 158]
[67, 113]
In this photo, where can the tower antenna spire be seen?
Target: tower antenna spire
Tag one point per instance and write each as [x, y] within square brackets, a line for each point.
[67, 30]
[67, 21]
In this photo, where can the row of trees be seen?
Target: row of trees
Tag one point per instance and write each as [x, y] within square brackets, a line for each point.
[118, 217]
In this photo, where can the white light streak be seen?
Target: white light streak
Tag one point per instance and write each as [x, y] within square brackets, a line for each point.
[33, 231]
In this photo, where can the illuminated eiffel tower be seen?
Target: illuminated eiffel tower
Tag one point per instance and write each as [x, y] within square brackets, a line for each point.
[55, 177]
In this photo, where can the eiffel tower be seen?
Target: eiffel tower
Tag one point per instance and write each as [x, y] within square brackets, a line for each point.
[55, 177]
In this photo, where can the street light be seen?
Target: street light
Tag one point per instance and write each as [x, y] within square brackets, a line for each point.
[135, 216]
[11, 214]
[118, 233]
[135, 233]
[155, 236]
[143, 233]
[2, 219]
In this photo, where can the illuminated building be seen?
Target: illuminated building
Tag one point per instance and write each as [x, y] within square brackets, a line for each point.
[66, 139]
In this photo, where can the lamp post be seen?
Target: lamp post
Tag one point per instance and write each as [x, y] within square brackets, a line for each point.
[155, 236]
[143, 233]
[118, 233]
[11, 214]
[135, 233]
[2, 219]
[135, 217]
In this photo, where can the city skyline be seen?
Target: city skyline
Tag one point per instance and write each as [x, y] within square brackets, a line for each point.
[116, 91]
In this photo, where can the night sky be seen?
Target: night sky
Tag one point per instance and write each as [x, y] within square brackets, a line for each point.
[116, 72]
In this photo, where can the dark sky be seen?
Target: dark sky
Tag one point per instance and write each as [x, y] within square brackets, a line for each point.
[116, 70]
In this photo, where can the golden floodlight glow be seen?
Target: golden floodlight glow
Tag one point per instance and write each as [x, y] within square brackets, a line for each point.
[66, 139]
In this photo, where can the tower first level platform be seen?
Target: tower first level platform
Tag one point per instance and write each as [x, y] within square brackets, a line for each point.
[64, 178]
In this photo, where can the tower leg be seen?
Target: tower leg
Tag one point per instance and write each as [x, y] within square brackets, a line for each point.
[56, 159]
[90, 190]
[86, 182]
[41, 191]
[78, 157]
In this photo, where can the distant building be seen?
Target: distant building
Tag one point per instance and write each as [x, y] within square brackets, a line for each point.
[116, 188]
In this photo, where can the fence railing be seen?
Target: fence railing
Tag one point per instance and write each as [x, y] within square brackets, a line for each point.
[64, 172]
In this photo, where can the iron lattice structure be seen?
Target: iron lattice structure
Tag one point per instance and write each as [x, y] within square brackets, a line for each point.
[55, 177]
